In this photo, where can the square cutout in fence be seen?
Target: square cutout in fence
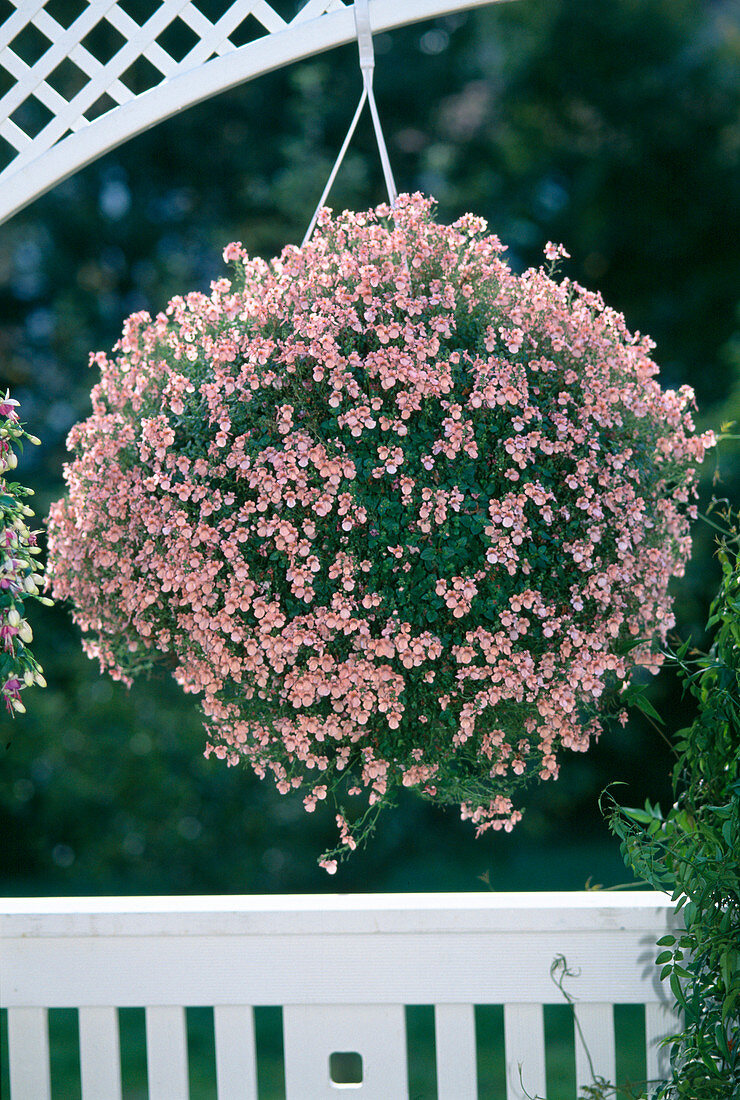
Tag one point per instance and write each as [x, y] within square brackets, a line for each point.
[104, 41]
[268, 1035]
[421, 1052]
[139, 10]
[288, 9]
[30, 44]
[345, 1069]
[4, 1050]
[629, 1034]
[249, 30]
[64, 12]
[141, 76]
[67, 79]
[100, 107]
[489, 1042]
[178, 39]
[8, 153]
[560, 1052]
[64, 1053]
[7, 81]
[201, 1052]
[213, 9]
[132, 1030]
[32, 116]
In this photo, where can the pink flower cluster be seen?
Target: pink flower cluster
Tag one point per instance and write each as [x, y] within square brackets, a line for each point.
[397, 514]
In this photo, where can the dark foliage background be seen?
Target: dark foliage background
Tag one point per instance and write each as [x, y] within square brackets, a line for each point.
[612, 127]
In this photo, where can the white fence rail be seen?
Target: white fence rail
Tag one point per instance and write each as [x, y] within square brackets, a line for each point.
[342, 968]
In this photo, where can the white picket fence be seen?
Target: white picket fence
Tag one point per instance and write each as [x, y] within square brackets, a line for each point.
[342, 968]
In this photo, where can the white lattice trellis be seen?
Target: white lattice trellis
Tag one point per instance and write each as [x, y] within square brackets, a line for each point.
[82, 76]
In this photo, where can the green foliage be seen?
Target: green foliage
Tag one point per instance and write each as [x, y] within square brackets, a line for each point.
[18, 580]
[693, 852]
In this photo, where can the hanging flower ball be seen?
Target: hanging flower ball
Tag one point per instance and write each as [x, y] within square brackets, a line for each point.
[401, 517]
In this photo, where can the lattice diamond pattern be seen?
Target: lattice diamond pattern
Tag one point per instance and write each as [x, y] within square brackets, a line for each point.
[69, 60]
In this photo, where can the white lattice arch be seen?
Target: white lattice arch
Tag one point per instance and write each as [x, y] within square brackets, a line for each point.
[48, 136]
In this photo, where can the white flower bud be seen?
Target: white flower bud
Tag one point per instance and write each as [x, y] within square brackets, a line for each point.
[28, 677]
[18, 705]
[13, 617]
[39, 679]
[25, 632]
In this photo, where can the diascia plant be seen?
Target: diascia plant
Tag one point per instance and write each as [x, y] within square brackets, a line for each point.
[19, 576]
[398, 515]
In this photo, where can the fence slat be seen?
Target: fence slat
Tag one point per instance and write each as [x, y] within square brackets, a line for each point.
[166, 1052]
[236, 1062]
[28, 1040]
[596, 1022]
[660, 1021]
[454, 1036]
[100, 1054]
[311, 1033]
[524, 1039]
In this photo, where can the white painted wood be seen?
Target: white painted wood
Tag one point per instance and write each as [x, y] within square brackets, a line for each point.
[166, 1052]
[28, 1043]
[15, 23]
[400, 949]
[58, 50]
[595, 1029]
[312, 1033]
[524, 1040]
[100, 1053]
[213, 65]
[377, 968]
[317, 955]
[140, 43]
[413, 911]
[82, 58]
[454, 1038]
[659, 1022]
[236, 1062]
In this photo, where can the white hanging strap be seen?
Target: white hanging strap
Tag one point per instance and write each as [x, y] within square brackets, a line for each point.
[335, 169]
[367, 66]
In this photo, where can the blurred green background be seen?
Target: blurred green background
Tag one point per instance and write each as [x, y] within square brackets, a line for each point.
[612, 127]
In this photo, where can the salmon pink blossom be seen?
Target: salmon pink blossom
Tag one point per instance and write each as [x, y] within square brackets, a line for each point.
[397, 514]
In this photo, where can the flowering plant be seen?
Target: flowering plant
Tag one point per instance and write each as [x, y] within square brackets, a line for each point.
[399, 515]
[19, 573]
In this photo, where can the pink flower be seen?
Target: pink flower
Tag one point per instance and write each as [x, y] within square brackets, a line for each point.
[347, 527]
[555, 251]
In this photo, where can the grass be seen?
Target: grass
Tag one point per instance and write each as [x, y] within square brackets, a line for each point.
[560, 1053]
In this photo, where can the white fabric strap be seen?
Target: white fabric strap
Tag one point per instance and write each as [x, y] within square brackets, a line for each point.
[364, 35]
[367, 66]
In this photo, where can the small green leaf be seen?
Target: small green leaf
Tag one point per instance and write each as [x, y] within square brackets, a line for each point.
[646, 707]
